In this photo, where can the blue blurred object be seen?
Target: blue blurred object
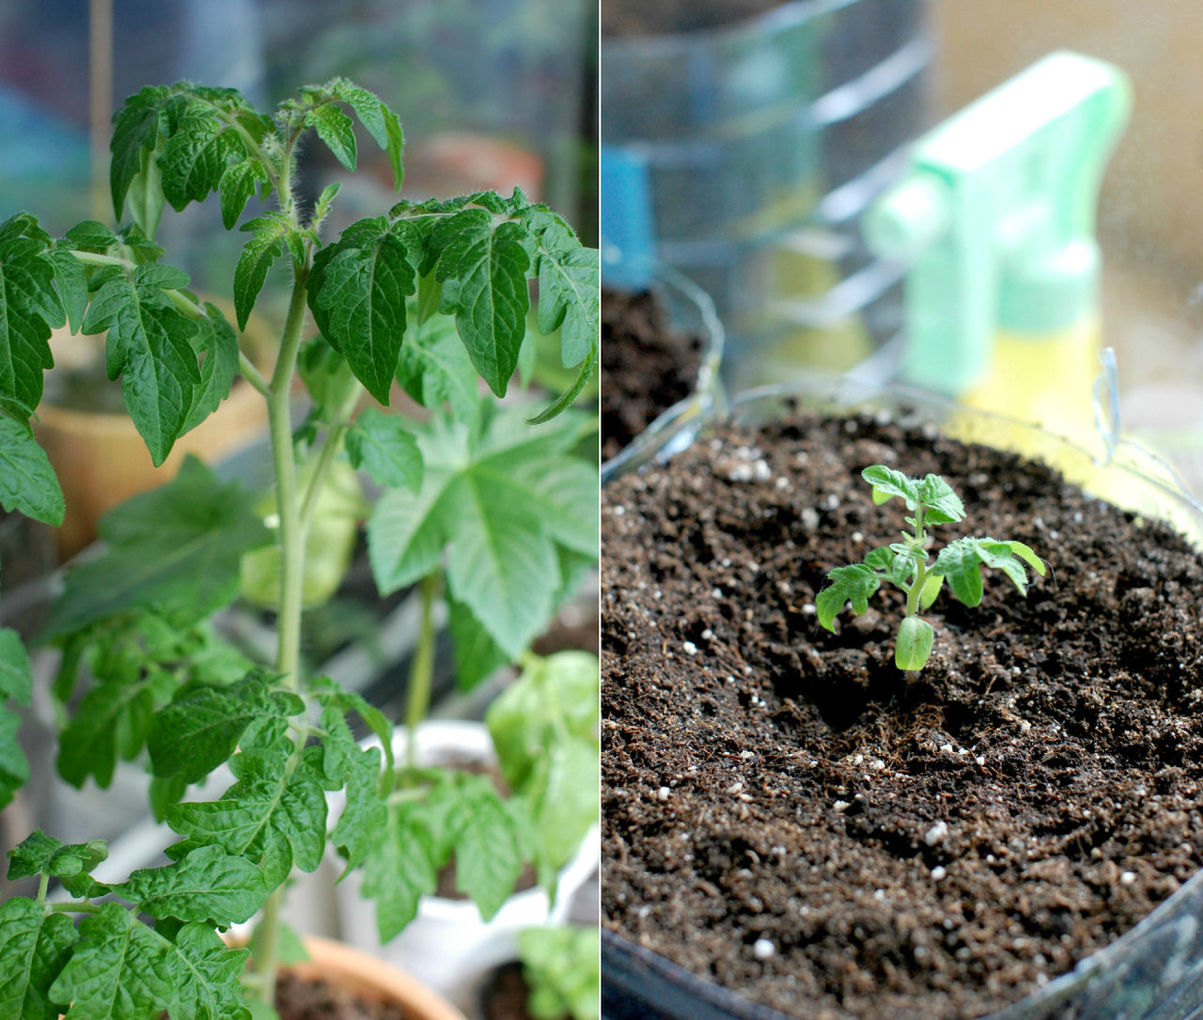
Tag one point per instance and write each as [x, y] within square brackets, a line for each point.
[627, 244]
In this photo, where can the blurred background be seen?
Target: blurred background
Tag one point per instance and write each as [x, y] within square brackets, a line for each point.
[746, 143]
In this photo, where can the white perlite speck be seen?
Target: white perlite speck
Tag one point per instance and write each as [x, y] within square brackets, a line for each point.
[763, 949]
[1127, 878]
[690, 648]
[663, 793]
[935, 834]
[939, 872]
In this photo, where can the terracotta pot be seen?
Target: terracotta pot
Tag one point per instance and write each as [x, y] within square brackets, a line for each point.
[100, 458]
[372, 978]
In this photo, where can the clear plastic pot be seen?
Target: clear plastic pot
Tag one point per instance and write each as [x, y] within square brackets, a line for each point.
[690, 311]
[1152, 972]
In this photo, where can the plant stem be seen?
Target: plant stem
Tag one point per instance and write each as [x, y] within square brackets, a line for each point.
[292, 567]
[330, 447]
[291, 535]
[421, 671]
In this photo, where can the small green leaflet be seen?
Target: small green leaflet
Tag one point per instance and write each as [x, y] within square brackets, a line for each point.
[42, 854]
[913, 647]
[483, 268]
[337, 130]
[357, 292]
[274, 815]
[488, 857]
[201, 728]
[207, 885]
[397, 872]
[365, 814]
[384, 447]
[268, 237]
[16, 674]
[434, 368]
[544, 727]
[477, 655]
[120, 969]
[34, 948]
[175, 548]
[959, 563]
[150, 346]
[888, 483]
[854, 583]
[112, 721]
[29, 308]
[219, 347]
[381, 122]
[27, 481]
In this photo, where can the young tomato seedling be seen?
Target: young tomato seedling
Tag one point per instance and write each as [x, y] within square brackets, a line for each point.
[908, 564]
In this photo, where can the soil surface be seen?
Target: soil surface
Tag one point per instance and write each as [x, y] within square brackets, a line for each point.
[506, 994]
[637, 17]
[646, 365]
[316, 1000]
[783, 815]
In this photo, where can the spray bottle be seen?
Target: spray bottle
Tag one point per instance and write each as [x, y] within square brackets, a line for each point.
[996, 217]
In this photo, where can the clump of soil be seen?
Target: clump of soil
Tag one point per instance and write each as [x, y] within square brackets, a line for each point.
[298, 999]
[629, 18]
[647, 365]
[782, 815]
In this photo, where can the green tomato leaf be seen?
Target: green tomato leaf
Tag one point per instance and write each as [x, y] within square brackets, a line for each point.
[398, 870]
[888, 483]
[477, 656]
[488, 501]
[268, 235]
[483, 266]
[34, 948]
[150, 346]
[1026, 554]
[14, 766]
[943, 505]
[913, 646]
[72, 282]
[207, 885]
[569, 288]
[854, 583]
[16, 674]
[219, 345]
[561, 965]
[357, 293]
[236, 186]
[120, 970]
[136, 130]
[174, 548]
[205, 974]
[29, 308]
[365, 813]
[41, 854]
[488, 858]
[384, 447]
[960, 562]
[336, 129]
[544, 728]
[112, 721]
[434, 368]
[28, 483]
[274, 815]
[201, 728]
[381, 122]
[566, 399]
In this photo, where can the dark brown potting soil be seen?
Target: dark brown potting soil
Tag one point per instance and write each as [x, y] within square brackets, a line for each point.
[783, 816]
[637, 17]
[647, 365]
[506, 994]
[298, 999]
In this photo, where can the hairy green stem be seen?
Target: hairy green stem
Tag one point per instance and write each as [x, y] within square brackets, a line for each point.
[74, 907]
[291, 539]
[421, 671]
[43, 886]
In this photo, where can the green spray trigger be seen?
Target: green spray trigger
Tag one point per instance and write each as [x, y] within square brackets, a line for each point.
[996, 217]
